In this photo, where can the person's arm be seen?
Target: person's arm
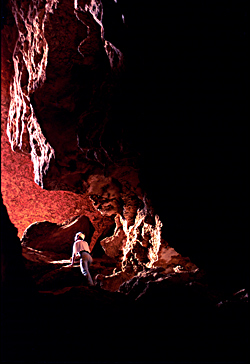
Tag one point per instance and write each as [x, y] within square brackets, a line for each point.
[73, 259]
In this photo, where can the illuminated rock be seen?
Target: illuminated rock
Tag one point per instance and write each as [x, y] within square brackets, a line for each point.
[57, 238]
[148, 235]
[172, 261]
[55, 85]
[113, 245]
[71, 100]
[54, 89]
[138, 274]
[30, 61]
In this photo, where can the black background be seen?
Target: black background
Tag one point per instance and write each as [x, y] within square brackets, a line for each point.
[188, 71]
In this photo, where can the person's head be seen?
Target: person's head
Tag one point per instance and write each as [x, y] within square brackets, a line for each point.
[79, 235]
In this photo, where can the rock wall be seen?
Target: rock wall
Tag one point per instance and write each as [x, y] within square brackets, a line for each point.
[101, 109]
[26, 202]
[64, 114]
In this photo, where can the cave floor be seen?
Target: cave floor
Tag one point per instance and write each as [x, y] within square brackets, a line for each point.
[158, 320]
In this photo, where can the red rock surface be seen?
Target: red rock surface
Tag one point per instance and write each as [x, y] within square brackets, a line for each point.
[47, 114]
[85, 110]
[27, 202]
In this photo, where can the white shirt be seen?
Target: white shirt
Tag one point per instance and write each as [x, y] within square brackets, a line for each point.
[80, 245]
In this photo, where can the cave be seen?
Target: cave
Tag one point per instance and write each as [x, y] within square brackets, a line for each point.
[126, 121]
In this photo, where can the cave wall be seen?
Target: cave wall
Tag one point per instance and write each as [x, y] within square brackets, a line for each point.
[72, 99]
[25, 200]
[182, 124]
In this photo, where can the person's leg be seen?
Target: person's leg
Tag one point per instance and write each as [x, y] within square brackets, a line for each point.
[85, 261]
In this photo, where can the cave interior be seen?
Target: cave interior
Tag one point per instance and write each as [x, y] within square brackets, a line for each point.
[126, 121]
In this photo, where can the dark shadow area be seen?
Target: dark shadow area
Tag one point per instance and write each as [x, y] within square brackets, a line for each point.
[192, 76]
[167, 323]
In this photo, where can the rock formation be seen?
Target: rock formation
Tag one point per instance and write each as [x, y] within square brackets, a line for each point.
[51, 237]
[116, 122]
[85, 150]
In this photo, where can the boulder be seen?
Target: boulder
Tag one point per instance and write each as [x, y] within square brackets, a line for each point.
[57, 238]
[114, 244]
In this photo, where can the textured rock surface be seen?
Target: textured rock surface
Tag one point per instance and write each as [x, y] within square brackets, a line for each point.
[57, 238]
[169, 262]
[26, 202]
[90, 154]
[56, 83]
[29, 60]
[113, 245]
